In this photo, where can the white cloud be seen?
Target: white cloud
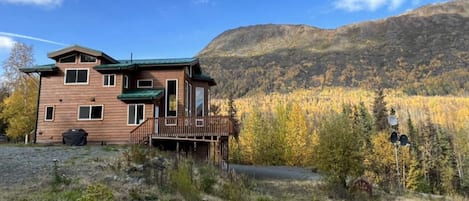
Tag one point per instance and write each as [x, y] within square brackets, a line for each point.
[6, 43]
[370, 5]
[30, 38]
[46, 3]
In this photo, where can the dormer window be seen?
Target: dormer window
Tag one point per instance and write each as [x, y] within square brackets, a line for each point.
[68, 59]
[84, 58]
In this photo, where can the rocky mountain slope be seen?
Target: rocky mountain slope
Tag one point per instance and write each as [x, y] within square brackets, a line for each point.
[425, 51]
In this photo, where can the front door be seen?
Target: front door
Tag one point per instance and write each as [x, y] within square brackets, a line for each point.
[156, 114]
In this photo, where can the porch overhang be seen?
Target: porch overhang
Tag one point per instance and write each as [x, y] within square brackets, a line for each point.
[141, 94]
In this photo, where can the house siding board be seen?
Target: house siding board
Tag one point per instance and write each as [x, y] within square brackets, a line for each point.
[66, 111]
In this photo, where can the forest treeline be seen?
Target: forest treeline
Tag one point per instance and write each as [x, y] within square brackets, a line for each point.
[348, 128]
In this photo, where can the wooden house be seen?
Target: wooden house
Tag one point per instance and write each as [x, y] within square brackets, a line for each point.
[161, 102]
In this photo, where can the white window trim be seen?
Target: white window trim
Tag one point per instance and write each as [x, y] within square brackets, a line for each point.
[166, 93]
[126, 81]
[76, 59]
[128, 107]
[87, 62]
[144, 87]
[104, 78]
[45, 112]
[87, 76]
[78, 113]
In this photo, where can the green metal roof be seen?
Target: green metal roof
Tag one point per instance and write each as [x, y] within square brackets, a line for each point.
[41, 68]
[171, 61]
[204, 77]
[133, 64]
[141, 94]
[118, 66]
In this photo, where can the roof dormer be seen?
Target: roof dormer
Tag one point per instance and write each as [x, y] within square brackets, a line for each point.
[75, 53]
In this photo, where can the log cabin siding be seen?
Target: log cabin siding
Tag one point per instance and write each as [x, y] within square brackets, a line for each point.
[66, 100]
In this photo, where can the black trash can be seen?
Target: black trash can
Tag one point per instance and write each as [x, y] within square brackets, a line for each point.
[75, 137]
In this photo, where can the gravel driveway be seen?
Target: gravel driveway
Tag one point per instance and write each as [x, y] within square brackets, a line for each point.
[275, 172]
[30, 165]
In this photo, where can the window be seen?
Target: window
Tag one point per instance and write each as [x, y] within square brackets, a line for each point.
[90, 112]
[84, 58]
[135, 114]
[171, 98]
[109, 80]
[199, 101]
[187, 99]
[126, 82]
[188, 71]
[68, 59]
[49, 113]
[147, 83]
[76, 76]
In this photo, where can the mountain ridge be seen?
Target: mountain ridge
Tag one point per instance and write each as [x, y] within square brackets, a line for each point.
[408, 51]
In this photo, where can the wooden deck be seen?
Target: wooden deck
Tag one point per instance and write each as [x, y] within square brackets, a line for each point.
[182, 128]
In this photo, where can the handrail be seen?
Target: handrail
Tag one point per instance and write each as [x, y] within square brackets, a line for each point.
[182, 127]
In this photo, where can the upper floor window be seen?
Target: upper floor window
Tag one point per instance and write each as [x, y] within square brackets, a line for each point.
[109, 80]
[49, 113]
[199, 101]
[171, 98]
[90, 112]
[68, 59]
[76, 76]
[84, 58]
[188, 71]
[146, 83]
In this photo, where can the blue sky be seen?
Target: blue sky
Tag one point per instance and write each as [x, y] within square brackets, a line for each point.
[167, 29]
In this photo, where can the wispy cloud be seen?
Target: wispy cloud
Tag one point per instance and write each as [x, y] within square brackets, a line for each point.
[369, 5]
[45, 3]
[14, 35]
[6, 43]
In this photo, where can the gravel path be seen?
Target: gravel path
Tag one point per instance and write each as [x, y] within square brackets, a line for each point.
[29, 165]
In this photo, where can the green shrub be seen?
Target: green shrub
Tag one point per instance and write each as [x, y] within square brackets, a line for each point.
[181, 180]
[208, 178]
[97, 192]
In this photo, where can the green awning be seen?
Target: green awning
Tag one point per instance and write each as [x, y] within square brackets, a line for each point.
[39, 69]
[141, 94]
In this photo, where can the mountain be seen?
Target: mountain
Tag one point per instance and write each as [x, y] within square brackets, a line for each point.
[424, 51]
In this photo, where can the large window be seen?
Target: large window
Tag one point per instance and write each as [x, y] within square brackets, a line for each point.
[76, 76]
[68, 59]
[171, 98]
[199, 100]
[90, 112]
[145, 83]
[188, 98]
[109, 80]
[135, 114]
[49, 113]
[84, 58]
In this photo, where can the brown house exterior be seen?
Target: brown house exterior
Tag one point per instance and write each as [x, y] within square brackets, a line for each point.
[164, 102]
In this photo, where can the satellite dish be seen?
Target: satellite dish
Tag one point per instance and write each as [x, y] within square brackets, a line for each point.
[392, 120]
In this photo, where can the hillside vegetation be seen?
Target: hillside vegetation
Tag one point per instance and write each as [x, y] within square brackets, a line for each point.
[423, 52]
[290, 128]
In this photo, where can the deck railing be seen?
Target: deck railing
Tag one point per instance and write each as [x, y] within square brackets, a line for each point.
[182, 127]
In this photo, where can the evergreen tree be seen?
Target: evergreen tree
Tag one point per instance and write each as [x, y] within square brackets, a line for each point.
[380, 113]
